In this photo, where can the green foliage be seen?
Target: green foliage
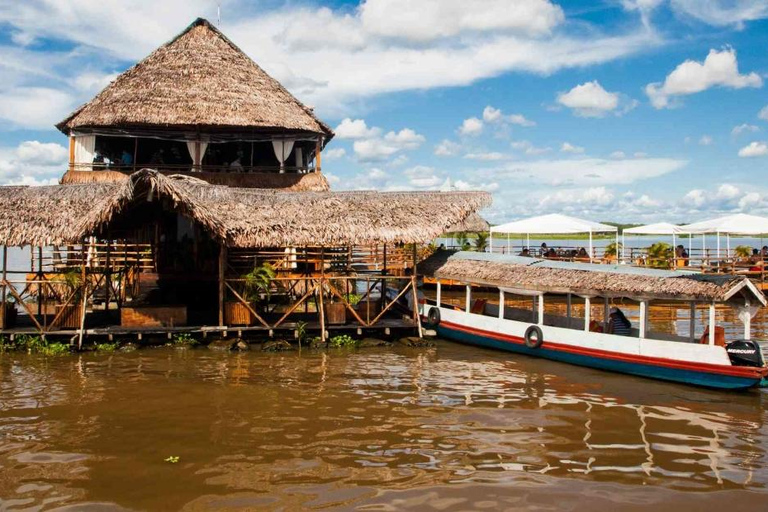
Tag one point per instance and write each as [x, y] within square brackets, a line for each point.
[353, 299]
[660, 255]
[612, 249]
[5, 345]
[342, 340]
[301, 331]
[173, 459]
[73, 280]
[107, 347]
[743, 251]
[184, 339]
[258, 282]
[38, 345]
[481, 242]
[462, 240]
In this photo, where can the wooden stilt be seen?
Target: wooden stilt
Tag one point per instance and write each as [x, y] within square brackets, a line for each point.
[83, 299]
[222, 272]
[5, 275]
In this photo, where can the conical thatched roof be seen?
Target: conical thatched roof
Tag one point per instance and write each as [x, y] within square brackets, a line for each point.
[198, 79]
[238, 216]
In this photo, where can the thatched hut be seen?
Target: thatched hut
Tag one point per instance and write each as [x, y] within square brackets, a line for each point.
[196, 104]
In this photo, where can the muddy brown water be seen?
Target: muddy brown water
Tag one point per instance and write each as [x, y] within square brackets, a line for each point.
[384, 429]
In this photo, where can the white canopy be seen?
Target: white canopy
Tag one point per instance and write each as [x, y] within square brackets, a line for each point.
[738, 224]
[553, 223]
[659, 228]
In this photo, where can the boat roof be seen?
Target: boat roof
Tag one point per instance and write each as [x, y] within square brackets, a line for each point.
[588, 279]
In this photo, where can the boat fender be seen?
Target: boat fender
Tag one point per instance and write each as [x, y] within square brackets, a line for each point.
[434, 317]
[533, 336]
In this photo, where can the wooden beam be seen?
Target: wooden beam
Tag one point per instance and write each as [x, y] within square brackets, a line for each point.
[222, 271]
[5, 274]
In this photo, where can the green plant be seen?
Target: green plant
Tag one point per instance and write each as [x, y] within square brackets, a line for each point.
[107, 347]
[258, 282]
[743, 251]
[54, 349]
[481, 242]
[353, 299]
[301, 331]
[73, 280]
[173, 459]
[659, 255]
[38, 345]
[462, 240]
[342, 340]
[612, 249]
[184, 339]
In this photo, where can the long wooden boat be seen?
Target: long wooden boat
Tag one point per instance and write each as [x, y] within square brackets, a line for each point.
[706, 360]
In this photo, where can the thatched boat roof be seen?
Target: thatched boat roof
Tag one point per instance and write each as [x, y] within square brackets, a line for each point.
[287, 182]
[198, 80]
[238, 216]
[531, 274]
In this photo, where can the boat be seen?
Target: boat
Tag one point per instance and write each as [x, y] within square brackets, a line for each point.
[707, 360]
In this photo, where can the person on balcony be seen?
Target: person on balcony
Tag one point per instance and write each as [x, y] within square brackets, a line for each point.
[126, 158]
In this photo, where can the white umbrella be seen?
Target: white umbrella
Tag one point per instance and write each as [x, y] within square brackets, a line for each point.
[737, 224]
[659, 228]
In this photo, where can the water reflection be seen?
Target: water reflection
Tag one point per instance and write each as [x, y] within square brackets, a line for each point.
[360, 429]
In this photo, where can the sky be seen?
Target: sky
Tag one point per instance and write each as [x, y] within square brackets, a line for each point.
[613, 110]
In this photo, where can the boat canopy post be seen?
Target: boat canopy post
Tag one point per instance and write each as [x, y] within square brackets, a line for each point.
[643, 318]
[587, 312]
[469, 294]
[491, 242]
[703, 248]
[590, 246]
[618, 260]
[509, 246]
[501, 304]
[541, 309]
[747, 321]
[439, 292]
[712, 323]
[528, 241]
[623, 246]
[606, 313]
[692, 326]
[568, 308]
[727, 245]
[718, 248]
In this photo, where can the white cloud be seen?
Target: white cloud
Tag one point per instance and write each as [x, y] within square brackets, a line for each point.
[738, 130]
[35, 107]
[719, 69]
[722, 12]
[696, 198]
[370, 150]
[334, 154]
[495, 115]
[377, 174]
[618, 154]
[447, 148]
[754, 149]
[750, 200]
[493, 155]
[706, 140]
[639, 154]
[332, 178]
[763, 114]
[405, 139]
[585, 171]
[528, 148]
[471, 127]
[567, 147]
[726, 198]
[355, 129]
[727, 192]
[427, 20]
[33, 163]
[589, 100]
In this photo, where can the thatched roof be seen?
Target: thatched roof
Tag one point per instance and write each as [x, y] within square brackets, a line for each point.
[288, 182]
[241, 217]
[512, 272]
[199, 79]
[472, 224]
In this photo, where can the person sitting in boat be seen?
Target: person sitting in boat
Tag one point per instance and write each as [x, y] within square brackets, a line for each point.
[525, 252]
[618, 323]
[582, 254]
[595, 326]
[543, 250]
[551, 253]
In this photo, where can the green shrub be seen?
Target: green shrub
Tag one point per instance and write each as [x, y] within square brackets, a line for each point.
[342, 340]
[38, 345]
[107, 347]
[184, 339]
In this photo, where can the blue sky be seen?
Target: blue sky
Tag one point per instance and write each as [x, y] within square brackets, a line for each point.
[626, 110]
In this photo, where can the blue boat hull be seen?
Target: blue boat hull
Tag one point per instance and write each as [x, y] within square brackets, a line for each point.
[697, 378]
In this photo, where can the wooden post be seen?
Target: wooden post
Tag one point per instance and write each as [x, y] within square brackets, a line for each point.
[383, 284]
[40, 278]
[83, 298]
[108, 276]
[5, 276]
[587, 313]
[606, 313]
[222, 275]
[322, 289]
[71, 153]
[318, 150]
[568, 309]
[712, 323]
[135, 152]
[692, 324]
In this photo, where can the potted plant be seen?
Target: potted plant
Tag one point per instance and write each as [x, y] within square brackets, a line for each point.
[335, 312]
[611, 252]
[72, 311]
[256, 287]
[660, 255]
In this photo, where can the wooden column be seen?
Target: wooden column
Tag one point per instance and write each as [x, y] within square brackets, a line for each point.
[71, 153]
[222, 276]
[40, 278]
[587, 312]
[5, 276]
[108, 275]
[318, 150]
[320, 293]
[83, 298]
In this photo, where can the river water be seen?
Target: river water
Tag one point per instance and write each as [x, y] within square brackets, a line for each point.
[446, 428]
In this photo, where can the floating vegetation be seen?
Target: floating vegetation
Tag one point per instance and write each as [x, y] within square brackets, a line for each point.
[107, 347]
[184, 339]
[342, 340]
[173, 459]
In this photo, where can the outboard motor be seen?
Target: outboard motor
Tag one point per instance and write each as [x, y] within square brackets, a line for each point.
[745, 353]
